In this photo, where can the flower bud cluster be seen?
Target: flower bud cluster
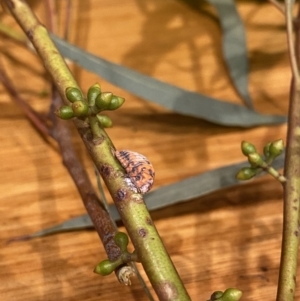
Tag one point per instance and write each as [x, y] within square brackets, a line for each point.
[95, 103]
[257, 162]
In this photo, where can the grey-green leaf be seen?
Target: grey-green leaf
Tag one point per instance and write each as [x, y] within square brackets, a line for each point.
[171, 97]
[234, 46]
[182, 191]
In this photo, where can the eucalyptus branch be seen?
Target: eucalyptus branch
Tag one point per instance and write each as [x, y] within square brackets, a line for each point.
[290, 38]
[135, 216]
[60, 132]
[290, 239]
[101, 219]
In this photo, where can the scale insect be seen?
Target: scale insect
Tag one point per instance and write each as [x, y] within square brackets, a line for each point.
[138, 168]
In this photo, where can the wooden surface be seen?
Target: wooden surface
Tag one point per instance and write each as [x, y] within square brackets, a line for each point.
[227, 239]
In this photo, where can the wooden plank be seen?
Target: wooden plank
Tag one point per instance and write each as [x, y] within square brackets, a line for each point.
[227, 239]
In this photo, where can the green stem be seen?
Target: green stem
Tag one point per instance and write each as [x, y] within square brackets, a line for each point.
[274, 173]
[290, 239]
[38, 35]
[135, 216]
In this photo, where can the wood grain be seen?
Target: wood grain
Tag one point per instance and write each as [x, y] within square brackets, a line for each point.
[227, 239]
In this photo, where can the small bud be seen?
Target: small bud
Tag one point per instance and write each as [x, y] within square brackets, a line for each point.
[121, 240]
[93, 93]
[105, 267]
[267, 150]
[103, 100]
[256, 160]
[80, 108]
[104, 120]
[65, 112]
[232, 294]
[246, 173]
[74, 94]
[247, 148]
[116, 102]
[276, 148]
[216, 295]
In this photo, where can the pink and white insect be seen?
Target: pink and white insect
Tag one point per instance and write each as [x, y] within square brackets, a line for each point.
[138, 168]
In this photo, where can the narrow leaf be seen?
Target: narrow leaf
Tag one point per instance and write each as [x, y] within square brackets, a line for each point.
[234, 46]
[182, 191]
[171, 97]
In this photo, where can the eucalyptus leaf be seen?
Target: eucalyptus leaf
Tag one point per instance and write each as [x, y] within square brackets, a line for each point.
[169, 96]
[234, 46]
[182, 191]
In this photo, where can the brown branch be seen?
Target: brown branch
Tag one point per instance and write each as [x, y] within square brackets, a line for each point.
[101, 219]
[60, 132]
[103, 224]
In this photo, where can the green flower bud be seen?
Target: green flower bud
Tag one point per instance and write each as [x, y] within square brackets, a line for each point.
[247, 148]
[216, 296]
[65, 112]
[256, 160]
[267, 150]
[276, 148]
[74, 94]
[93, 92]
[232, 294]
[104, 120]
[80, 108]
[105, 267]
[116, 102]
[121, 240]
[103, 100]
[246, 173]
